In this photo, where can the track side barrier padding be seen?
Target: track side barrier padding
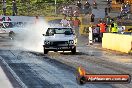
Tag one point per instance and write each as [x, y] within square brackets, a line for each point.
[117, 42]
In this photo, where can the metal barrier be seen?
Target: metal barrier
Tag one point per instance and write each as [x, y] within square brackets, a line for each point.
[84, 29]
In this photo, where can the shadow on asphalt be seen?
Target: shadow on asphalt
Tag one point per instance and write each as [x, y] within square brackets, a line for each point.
[62, 53]
[77, 53]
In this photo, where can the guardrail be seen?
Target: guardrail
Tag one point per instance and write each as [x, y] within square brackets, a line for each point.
[117, 42]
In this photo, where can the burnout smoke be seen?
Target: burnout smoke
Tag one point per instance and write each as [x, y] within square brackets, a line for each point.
[31, 38]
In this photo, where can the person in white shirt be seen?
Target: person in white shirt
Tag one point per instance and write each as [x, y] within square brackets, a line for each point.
[64, 22]
[95, 34]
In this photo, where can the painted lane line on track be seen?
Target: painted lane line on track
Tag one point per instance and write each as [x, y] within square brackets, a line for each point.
[4, 81]
[13, 73]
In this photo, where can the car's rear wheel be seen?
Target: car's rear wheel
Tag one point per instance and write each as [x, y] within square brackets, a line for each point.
[45, 51]
[73, 51]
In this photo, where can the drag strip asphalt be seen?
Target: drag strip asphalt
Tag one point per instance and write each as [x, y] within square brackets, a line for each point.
[36, 70]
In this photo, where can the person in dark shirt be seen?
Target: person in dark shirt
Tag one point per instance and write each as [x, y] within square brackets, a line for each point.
[106, 11]
[79, 4]
[86, 5]
[4, 7]
[14, 8]
[92, 17]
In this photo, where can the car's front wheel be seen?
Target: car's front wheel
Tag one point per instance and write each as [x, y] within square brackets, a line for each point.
[45, 51]
[73, 51]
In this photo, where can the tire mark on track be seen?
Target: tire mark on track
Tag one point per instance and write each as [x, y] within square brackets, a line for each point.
[55, 61]
[26, 75]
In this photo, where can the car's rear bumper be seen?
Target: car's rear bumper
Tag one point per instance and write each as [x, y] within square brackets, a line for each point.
[59, 48]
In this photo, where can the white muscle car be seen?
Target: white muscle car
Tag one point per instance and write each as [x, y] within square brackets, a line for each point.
[59, 39]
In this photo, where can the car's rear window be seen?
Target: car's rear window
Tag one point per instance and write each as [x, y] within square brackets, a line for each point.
[52, 31]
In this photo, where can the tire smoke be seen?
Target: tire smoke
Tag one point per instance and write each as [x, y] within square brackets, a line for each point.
[31, 37]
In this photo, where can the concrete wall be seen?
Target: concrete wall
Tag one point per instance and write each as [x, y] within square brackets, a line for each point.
[118, 42]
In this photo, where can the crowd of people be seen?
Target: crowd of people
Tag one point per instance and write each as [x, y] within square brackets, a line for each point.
[69, 11]
[78, 8]
[73, 23]
[102, 27]
[14, 7]
[125, 10]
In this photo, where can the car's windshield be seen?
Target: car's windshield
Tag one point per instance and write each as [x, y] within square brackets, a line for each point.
[52, 31]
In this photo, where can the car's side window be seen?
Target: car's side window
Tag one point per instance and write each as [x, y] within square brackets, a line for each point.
[67, 33]
[50, 32]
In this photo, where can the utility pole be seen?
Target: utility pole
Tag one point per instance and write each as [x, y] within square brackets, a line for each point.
[28, 7]
[55, 6]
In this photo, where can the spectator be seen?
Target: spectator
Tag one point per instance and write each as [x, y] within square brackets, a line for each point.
[86, 5]
[79, 4]
[61, 9]
[67, 10]
[99, 20]
[92, 16]
[102, 26]
[108, 19]
[108, 6]
[95, 34]
[4, 7]
[108, 1]
[3, 19]
[94, 5]
[14, 8]
[122, 7]
[64, 10]
[125, 10]
[36, 20]
[76, 12]
[127, 6]
[70, 12]
[71, 21]
[8, 19]
[106, 11]
[64, 22]
[114, 27]
[76, 24]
